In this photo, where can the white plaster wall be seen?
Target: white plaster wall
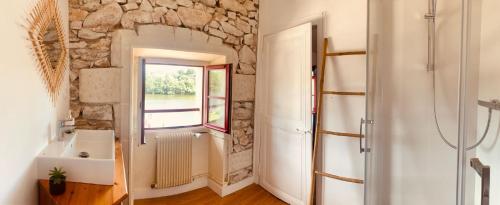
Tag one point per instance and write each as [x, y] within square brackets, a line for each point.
[489, 76]
[27, 116]
[217, 153]
[345, 25]
[411, 165]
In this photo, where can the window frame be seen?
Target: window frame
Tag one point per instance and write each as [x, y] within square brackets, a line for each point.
[143, 100]
[205, 86]
[227, 98]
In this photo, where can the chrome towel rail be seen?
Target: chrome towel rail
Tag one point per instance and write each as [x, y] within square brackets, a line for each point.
[493, 104]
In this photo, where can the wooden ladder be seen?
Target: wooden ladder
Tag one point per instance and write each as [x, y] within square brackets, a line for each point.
[320, 131]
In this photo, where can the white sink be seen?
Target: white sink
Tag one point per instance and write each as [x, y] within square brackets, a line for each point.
[98, 168]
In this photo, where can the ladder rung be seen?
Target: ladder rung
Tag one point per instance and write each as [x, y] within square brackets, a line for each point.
[344, 93]
[343, 134]
[347, 53]
[346, 179]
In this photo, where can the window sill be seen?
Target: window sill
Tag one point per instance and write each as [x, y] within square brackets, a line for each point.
[170, 130]
[213, 133]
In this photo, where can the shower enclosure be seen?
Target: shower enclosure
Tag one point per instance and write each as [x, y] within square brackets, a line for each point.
[433, 75]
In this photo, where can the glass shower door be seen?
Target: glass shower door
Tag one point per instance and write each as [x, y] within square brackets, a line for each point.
[408, 163]
[425, 146]
[482, 51]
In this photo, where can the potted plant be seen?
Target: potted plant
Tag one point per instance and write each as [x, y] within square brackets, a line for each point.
[57, 181]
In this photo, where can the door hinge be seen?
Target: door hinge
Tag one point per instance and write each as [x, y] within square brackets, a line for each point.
[369, 122]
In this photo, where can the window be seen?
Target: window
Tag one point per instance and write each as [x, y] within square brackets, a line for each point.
[172, 96]
[176, 96]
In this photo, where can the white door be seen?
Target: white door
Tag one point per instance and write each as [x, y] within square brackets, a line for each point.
[286, 143]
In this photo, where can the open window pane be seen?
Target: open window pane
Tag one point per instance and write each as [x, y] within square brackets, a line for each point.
[217, 82]
[171, 119]
[217, 98]
[217, 112]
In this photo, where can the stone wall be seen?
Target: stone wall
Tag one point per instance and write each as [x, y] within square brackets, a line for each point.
[232, 22]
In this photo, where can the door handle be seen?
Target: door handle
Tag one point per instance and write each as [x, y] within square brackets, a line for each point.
[361, 149]
[484, 173]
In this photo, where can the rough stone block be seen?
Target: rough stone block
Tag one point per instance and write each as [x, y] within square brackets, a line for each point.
[108, 16]
[241, 160]
[242, 114]
[217, 32]
[186, 3]
[98, 112]
[172, 19]
[233, 5]
[193, 18]
[240, 175]
[130, 6]
[246, 69]
[100, 85]
[167, 3]
[247, 55]
[90, 35]
[243, 87]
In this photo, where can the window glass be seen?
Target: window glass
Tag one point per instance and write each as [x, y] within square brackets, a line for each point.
[171, 93]
[171, 119]
[216, 112]
[157, 102]
[217, 83]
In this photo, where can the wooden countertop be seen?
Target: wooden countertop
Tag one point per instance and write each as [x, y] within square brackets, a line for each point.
[88, 194]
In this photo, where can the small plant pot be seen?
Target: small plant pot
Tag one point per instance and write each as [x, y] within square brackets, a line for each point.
[57, 189]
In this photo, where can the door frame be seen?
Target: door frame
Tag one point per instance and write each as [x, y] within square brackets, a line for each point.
[318, 20]
[469, 95]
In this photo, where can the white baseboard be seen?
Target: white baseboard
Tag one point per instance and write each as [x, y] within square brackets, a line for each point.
[146, 193]
[214, 186]
[256, 179]
[226, 190]
[236, 187]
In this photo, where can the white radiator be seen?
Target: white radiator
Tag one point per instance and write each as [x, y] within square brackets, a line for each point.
[173, 160]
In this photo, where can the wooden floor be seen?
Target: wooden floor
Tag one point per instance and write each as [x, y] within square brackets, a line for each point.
[251, 195]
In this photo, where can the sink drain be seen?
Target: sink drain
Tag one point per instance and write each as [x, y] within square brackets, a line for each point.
[84, 155]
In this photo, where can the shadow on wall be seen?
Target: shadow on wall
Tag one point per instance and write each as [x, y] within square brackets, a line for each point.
[27, 179]
[380, 59]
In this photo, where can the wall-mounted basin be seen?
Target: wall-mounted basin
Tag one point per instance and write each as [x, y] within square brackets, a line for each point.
[87, 156]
